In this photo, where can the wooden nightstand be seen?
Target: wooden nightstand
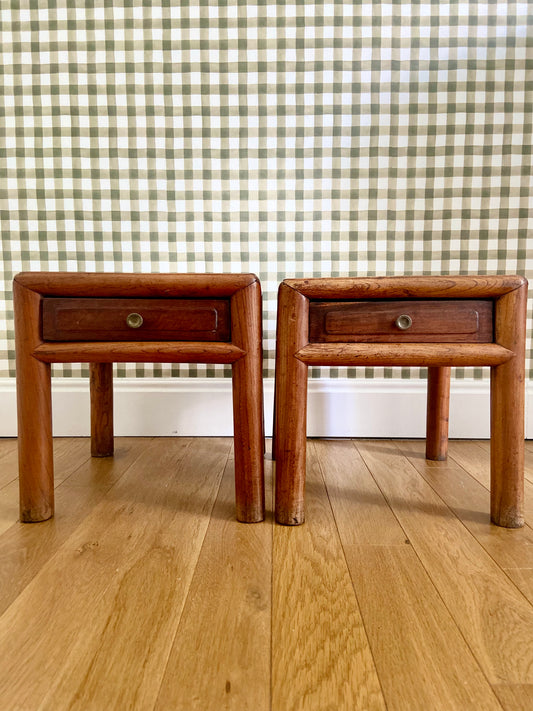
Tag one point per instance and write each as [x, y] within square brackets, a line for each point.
[105, 318]
[436, 322]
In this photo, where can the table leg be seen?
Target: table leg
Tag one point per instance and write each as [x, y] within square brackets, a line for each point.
[101, 386]
[248, 423]
[438, 408]
[34, 412]
[507, 414]
[291, 406]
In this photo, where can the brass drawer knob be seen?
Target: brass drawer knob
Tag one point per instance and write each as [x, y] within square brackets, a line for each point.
[134, 320]
[404, 322]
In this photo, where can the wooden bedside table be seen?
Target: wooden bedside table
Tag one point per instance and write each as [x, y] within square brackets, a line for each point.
[105, 318]
[436, 322]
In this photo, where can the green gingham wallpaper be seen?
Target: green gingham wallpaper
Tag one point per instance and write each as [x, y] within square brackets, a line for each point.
[285, 138]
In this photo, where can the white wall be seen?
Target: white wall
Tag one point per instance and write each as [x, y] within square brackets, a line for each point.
[202, 407]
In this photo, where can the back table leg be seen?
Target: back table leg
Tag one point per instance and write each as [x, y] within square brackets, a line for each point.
[101, 384]
[438, 407]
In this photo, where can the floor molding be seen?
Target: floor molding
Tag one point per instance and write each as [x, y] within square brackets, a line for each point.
[202, 407]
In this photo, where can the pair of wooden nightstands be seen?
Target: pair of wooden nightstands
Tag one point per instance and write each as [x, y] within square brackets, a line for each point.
[438, 322]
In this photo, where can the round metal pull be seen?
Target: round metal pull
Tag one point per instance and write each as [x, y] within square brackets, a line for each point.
[134, 320]
[404, 322]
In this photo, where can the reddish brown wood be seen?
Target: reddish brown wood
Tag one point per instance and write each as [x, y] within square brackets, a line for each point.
[404, 354]
[101, 385]
[440, 321]
[407, 287]
[507, 413]
[104, 319]
[437, 416]
[148, 352]
[190, 318]
[78, 284]
[247, 374]
[291, 406]
[505, 356]
[34, 408]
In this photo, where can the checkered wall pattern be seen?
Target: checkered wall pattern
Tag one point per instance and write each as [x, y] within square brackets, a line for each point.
[285, 138]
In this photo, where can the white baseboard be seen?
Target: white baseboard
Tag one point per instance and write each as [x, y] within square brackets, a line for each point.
[202, 407]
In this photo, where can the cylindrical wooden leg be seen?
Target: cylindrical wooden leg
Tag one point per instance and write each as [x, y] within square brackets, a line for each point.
[274, 421]
[291, 406]
[507, 414]
[101, 386]
[507, 446]
[248, 422]
[438, 409]
[34, 408]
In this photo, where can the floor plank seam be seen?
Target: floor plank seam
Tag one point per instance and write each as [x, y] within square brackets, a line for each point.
[354, 588]
[385, 498]
[191, 578]
[431, 579]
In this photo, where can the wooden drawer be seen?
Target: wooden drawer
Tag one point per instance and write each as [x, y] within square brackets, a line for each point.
[409, 321]
[110, 319]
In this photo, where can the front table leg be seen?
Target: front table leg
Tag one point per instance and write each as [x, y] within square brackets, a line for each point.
[507, 414]
[506, 447]
[101, 386]
[34, 413]
[35, 444]
[291, 406]
[248, 425]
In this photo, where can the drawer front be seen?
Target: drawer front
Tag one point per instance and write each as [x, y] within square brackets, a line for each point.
[102, 319]
[409, 321]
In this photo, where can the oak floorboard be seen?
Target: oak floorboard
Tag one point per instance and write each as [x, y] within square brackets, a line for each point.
[523, 579]
[112, 595]
[360, 511]
[25, 548]
[470, 501]
[474, 457]
[320, 653]
[69, 452]
[120, 662]
[7, 445]
[9, 505]
[8, 466]
[517, 697]
[103, 472]
[395, 594]
[472, 586]
[423, 661]
[220, 658]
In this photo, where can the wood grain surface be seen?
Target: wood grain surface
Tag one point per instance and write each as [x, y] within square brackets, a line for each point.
[144, 592]
[412, 287]
[321, 655]
[101, 319]
[101, 284]
[226, 617]
[438, 320]
[405, 354]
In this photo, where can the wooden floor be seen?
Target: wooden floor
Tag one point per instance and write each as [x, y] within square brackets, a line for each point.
[144, 593]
